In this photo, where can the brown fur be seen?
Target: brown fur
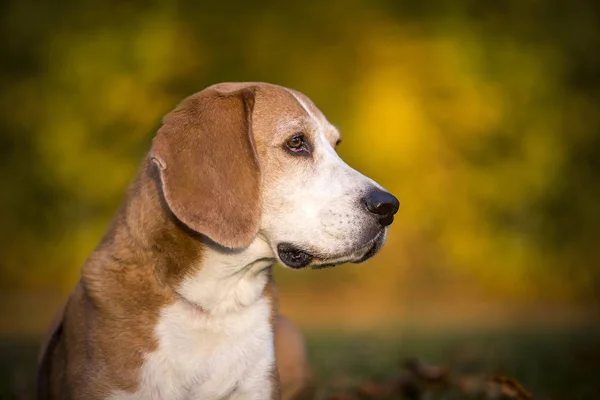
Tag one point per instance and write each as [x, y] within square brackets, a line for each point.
[185, 186]
[290, 351]
[110, 317]
[194, 149]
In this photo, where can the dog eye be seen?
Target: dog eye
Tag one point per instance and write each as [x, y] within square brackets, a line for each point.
[297, 143]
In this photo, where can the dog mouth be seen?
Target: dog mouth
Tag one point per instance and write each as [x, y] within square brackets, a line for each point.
[293, 256]
[375, 247]
[297, 258]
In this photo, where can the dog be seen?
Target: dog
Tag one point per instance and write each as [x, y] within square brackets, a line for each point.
[177, 300]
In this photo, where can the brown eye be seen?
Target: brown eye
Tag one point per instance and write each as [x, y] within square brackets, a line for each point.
[296, 143]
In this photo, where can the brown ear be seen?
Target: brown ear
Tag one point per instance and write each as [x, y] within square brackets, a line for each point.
[208, 167]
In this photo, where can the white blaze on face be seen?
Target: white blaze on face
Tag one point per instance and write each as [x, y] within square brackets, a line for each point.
[316, 203]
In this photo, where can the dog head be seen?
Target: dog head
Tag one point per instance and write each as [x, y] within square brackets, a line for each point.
[238, 160]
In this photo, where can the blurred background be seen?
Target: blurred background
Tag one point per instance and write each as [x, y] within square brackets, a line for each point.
[482, 117]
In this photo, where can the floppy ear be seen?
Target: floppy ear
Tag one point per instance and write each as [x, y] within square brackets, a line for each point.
[209, 172]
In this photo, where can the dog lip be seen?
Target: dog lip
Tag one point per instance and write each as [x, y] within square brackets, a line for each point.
[376, 245]
[298, 258]
[370, 253]
[372, 249]
[323, 266]
[292, 256]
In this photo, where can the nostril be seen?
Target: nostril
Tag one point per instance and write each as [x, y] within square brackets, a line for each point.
[382, 203]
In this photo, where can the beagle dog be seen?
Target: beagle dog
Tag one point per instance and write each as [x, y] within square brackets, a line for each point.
[177, 301]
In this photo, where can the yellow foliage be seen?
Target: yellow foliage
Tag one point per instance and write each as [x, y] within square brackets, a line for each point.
[466, 125]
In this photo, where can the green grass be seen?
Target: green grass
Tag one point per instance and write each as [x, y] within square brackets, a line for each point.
[550, 364]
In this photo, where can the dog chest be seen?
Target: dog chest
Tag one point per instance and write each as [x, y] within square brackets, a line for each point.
[208, 357]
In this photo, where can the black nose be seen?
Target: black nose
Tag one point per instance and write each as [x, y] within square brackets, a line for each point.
[383, 204]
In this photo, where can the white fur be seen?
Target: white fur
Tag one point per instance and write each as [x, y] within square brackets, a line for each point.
[217, 342]
[317, 203]
[229, 280]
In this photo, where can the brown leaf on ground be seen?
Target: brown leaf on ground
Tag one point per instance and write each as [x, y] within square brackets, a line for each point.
[343, 396]
[491, 388]
[427, 372]
[372, 390]
[511, 388]
[471, 385]
[422, 379]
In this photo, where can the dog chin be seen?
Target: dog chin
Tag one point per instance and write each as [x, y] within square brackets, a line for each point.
[296, 257]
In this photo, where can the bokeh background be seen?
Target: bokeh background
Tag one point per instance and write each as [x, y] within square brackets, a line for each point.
[481, 116]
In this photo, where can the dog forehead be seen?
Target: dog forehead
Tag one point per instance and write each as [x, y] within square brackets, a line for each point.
[286, 107]
[329, 132]
[273, 98]
[277, 106]
[276, 103]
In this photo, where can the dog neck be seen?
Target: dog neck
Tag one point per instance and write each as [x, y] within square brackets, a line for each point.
[228, 281]
[148, 252]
